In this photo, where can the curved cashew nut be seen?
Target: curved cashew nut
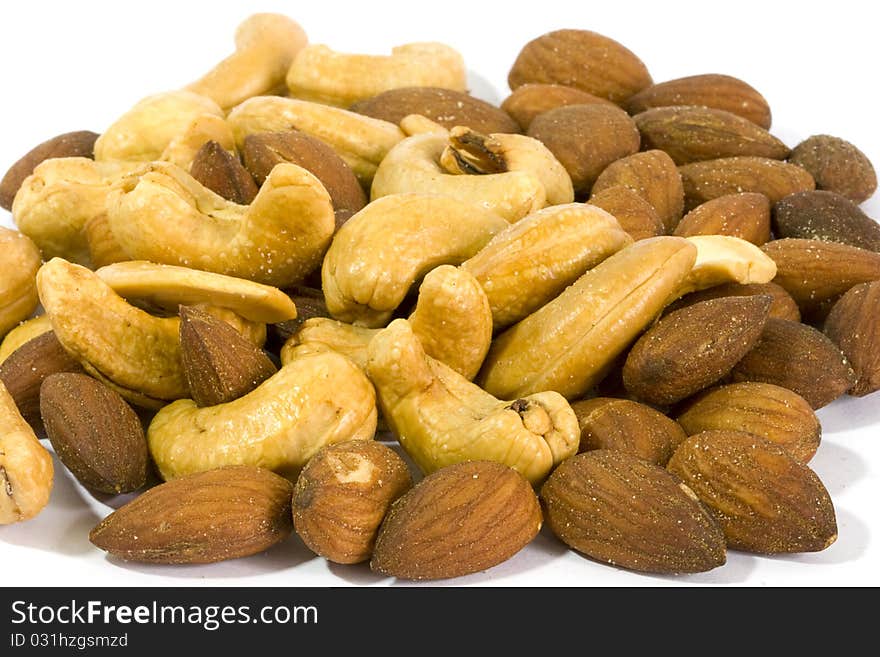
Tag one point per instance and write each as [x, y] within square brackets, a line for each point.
[322, 75]
[725, 259]
[393, 242]
[19, 262]
[360, 140]
[317, 399]
[441, 418]
[162, 214]
[24, 332]
[265, 45]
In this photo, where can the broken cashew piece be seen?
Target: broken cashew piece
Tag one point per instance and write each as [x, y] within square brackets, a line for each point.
[24, 332]
[163, 215]
[265, 45]
[316, 399]
[19, 262]
[725, 259]
[441, 418]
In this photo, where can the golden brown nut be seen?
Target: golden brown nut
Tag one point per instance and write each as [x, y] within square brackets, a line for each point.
[19, 262]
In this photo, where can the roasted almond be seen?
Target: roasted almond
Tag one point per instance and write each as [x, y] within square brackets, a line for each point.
[692, 348]
[745, 215]
[800, 358]
[97, 436]
[764, 500]
[781, 416]
[461, 519]
[529, 100]
[207, 517]
[825, 216]
[711, 90]
[581, 59]
[222, 173]
[838, 166]
[634, 214]
[618, 509]
[854, 325]
[783, 306]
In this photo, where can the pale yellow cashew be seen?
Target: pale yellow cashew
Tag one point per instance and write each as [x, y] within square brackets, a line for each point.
[725, 259]
[24, 332]
[182, 149]
[19, 262]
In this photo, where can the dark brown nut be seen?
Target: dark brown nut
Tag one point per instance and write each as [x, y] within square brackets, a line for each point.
[627, 426]
[634, 214]
[783, 306]
[586, 139]
[711, 90]
[854, 325]
[222, 173]
[309, 303]
[529, 100]
[837, 166]
[447, 107]
[70, 144]
[745, 215]
[825, 216]
[800, 358]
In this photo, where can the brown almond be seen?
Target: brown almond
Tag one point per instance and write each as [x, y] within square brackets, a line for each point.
[447, 107]
[461, 519]
[26, 368]
[825, 216]
[653, 176]
[798, 357]
[692, 348]
[745, 215]
[581, 59]
[711, 90]
[586, 139]
[219, 363]
[781, 416]
[854, 325]
[342, 496]
[838, 166]
[620, 510]
[634, 214]
[693, 134]
[206, 517]
[97, 436]
[764, 500]
[529, 100]
[627, 426]
[70, 144]
[222, 173]
[783, 306]
[704, 181]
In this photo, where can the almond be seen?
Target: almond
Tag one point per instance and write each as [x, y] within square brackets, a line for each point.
[825, 216]
[781, 416]
[634, 214]
[222, 173]
[207, 517]
[783, 306]
[692, 348]
[838, 166]
[618, 509]
[653, 176]
[704, 181]
[764, 500]
[529, 100]
[462, 519]
[745, 215]
[627, 426]
[800, 358]
[711, 90]
[581, 59]
[693, 134]
[854, 326]
[219, 363]
[97, 436]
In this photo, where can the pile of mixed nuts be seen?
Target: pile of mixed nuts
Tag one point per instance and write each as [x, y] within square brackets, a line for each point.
[609, 304]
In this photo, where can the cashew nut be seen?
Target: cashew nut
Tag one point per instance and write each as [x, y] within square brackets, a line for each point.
[393, 242]
[19, 262]
[318, 398]
[441, 418]
[322, 75]
[104, 249]
[725, 259]
[162, 214]
[24, 332]
[182, 149]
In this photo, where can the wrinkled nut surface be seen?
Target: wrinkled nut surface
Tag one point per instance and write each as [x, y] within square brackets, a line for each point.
[24, 332]
[825, 216]
[838, 166]
[745, 215]
[782, 307]
[104, 249]
[223, 173]
[529, 100]
[342, 496]
[19, 262]
[26, 470]
[634, 214]
[852, 325]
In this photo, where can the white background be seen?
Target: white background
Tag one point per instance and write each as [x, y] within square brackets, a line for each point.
[78, 65]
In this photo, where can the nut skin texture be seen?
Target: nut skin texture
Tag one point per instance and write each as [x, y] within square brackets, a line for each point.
[692, 348]
[460, 520]
[745, 215]
[825, 216]
[222, 173]
[19, 262]
[852, 325]
[342, 496]
[24, 332]
[777, 414]
[620, 510]
[800, 358]
[581, 59]
[634, 214]
[70, 144]
[222, 514]
[97, 436]
[529, 100]
[764, 500]
[838, 166]
[627, 426]
[782, 307]
[586, 139]
[710, 90]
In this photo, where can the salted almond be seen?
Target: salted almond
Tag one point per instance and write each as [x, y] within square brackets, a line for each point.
[853, 326]
[634, 214]
[529, 100]
[825, 216]
[222, 173]
[782, 307]
[838, 166]
[745, 215]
